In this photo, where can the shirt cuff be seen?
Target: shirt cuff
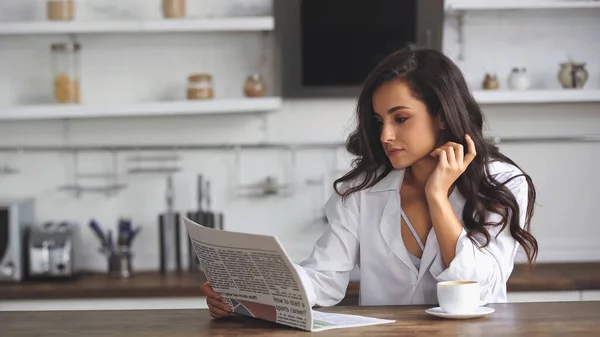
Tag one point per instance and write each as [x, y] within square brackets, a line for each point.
[438, 268]
[469, 264]
[306, 284]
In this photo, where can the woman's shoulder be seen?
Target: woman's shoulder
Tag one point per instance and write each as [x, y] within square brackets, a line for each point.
[504, 172]
[366, 180]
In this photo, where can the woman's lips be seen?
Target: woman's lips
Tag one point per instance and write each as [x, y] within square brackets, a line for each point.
[394, 152]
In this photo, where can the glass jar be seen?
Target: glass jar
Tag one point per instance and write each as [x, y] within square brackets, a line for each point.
[60, 9]
[173, 8]
[254, 86]
[65, 64]
[200, 86]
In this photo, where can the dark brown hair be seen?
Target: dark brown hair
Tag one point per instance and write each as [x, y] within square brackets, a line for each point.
[437, 82]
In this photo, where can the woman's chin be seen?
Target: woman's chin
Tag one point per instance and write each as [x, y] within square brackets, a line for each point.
[399, 163]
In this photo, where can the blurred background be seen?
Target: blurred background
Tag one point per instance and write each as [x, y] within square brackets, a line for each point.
[119, 117]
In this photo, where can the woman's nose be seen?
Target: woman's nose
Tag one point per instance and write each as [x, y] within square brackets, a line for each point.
[387, 134]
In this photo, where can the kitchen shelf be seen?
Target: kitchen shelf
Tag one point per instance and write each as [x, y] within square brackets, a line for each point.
[523, 4]
[537, 96]
[79, 111]
[259, 23]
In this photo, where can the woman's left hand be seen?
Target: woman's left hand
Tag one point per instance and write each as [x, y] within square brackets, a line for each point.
[452, 163]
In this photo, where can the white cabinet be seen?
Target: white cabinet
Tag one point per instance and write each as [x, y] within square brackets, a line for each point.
[543, 296]
[554, 296]
[590, 295]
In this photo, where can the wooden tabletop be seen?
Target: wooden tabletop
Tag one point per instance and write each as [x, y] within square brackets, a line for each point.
[545, 277]
[514, 319]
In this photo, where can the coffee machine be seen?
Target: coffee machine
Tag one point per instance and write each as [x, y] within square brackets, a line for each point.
[16, 216]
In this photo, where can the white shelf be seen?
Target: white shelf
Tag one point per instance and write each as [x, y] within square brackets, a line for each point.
[77, 111]
[537, 96]
[523, 4]
[264, 23]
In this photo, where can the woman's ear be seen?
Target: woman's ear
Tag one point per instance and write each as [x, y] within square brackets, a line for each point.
[443, 136]
[442, 123]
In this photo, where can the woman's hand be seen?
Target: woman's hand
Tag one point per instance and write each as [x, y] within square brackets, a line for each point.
[452, 163]
[217, 308]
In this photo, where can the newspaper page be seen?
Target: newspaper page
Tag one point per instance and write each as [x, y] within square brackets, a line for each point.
[253, 275]
[326, 321]
[256, 278]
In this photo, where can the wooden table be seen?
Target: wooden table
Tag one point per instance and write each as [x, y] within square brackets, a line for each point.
[522, 319]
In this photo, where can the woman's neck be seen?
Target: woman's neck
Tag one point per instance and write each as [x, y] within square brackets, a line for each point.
[419, 172]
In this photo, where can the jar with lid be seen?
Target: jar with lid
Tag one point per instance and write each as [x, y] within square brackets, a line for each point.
[490, 82]
[254, 86]
[65, 64]
[200, 86]
[60, 9]
[173, 8]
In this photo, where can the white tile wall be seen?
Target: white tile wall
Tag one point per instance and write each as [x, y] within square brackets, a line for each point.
[128, 67]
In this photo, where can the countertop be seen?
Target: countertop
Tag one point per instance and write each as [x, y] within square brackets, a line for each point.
[545, 277]
[145, 284]
[511, 319]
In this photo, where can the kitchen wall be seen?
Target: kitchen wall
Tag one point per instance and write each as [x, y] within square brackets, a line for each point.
[151, 67]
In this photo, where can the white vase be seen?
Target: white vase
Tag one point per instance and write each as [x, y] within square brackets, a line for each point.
[519, 79]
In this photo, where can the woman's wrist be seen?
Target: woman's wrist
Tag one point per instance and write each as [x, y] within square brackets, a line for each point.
[436, 195]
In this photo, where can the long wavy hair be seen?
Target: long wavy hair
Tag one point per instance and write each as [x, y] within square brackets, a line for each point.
[437, 82]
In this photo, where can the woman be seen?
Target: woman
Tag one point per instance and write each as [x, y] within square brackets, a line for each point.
[427, 199]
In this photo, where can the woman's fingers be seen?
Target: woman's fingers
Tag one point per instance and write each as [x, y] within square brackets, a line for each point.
[218, 313]
[451, 156]
[455, 153]
[218, 309]
[208, 291]
[459, 151]
[443, 158]
[218, 304]
[471, 152]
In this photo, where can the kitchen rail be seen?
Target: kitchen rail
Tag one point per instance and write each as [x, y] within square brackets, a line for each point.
[255, 146]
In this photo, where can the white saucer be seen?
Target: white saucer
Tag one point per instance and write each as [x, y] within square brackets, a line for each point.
[480, 311]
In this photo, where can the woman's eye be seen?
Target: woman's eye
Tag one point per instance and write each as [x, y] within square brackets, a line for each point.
[400, 120]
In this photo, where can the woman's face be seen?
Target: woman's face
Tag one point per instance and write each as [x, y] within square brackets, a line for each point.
[408, 132]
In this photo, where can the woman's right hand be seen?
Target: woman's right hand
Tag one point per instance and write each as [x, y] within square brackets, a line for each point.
[217, 308]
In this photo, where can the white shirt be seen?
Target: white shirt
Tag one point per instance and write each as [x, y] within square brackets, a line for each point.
[364, 231]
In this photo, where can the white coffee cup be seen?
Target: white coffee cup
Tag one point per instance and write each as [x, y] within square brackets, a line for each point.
[458, 296]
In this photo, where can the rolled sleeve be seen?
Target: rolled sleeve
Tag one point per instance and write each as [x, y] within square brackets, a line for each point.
[473, 264]
[307, 283]
[326, 273]
[492, 265]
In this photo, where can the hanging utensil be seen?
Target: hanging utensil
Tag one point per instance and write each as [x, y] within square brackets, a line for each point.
[209, 215]
[198, 217]
[169, 233]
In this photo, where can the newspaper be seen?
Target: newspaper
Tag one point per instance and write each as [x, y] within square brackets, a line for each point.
[256, 278]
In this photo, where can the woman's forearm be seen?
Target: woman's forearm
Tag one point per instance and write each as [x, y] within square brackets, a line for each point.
[446, 225]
